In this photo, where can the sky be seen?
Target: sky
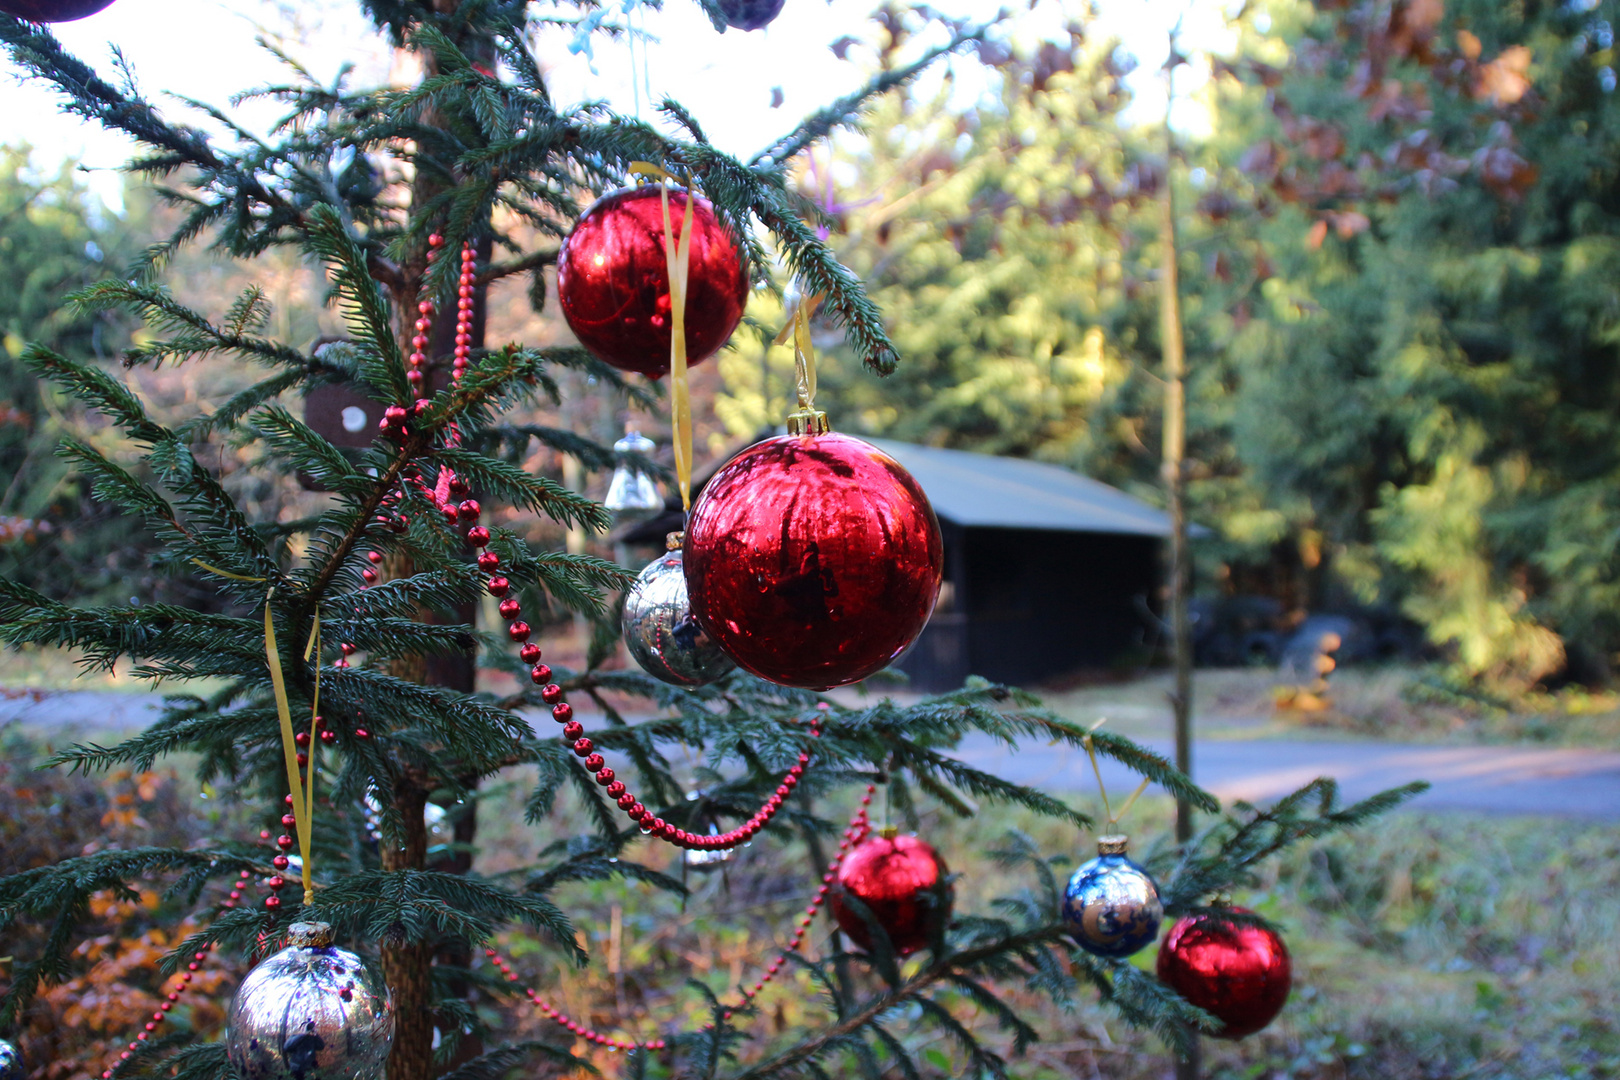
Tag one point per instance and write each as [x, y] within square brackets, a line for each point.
[729, 81]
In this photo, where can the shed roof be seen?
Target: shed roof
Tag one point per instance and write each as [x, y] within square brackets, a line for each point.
[984, 491]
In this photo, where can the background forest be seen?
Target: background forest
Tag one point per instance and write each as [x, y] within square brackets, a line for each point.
[1398, 251]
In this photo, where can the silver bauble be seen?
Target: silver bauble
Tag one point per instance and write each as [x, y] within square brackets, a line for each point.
[1111, 907]
[11, 1062]
[660, 631]
[310, 1012]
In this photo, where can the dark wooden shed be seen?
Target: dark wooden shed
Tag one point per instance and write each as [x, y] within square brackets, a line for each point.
[1047, 572]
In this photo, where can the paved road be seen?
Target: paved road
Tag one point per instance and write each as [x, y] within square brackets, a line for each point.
[1479, 779]
[1476, 779]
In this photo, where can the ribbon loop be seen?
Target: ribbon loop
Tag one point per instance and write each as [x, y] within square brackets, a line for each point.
[678, 260]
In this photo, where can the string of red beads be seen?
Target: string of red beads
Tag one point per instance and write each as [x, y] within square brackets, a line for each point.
[424, 325]
[859, 827]
[182, 984]
[466, 513]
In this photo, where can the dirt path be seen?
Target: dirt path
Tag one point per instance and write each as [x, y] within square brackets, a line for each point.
[1476, 779]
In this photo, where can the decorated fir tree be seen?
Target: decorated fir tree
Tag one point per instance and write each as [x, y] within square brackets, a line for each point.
[336, 657]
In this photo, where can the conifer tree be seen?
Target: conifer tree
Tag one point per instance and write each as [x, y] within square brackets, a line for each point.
[364, 181]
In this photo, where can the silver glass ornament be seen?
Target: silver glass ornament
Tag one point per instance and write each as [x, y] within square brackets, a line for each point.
[632, 495]
[11, 1062]
[1111, 906]
[310, 1012]
[695, 859]
[660, 631]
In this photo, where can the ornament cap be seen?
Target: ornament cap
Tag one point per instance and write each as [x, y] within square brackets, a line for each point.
[808, 422]
[889, 832]
[310, 935]
[674, 540]
[1115, 844]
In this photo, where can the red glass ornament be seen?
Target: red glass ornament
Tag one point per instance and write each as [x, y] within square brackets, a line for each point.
[814, 560]
[902, 882]
[613, 281]
[1237, 972]
[52, 10]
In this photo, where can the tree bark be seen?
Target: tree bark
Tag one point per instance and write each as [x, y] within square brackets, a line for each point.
[1175, 479]
[408, 966]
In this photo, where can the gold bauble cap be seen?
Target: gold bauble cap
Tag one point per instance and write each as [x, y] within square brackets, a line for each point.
[310, 935]
[1116, 844]
[808, 422]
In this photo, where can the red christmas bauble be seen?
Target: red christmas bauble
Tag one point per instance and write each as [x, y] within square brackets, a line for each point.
[902, 881]
[814, 560]
[52, 10]
[1239, 973]
[613, 280]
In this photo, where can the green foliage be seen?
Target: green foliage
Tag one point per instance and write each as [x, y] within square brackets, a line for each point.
[54, 238]
[1398, 269]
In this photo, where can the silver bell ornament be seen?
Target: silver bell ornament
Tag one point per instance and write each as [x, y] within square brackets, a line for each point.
[1111, 906]
[660, 631]
[310, 1012]
[632, 495]
[11, 1062]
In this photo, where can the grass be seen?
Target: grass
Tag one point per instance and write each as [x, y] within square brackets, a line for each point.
[1394, 702]
[1425, 946]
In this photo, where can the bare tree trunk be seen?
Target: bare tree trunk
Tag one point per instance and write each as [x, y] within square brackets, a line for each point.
[408, 966]
[1175, 479]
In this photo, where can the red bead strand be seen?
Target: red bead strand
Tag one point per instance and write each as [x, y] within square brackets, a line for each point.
[172, 998]
[858, 828]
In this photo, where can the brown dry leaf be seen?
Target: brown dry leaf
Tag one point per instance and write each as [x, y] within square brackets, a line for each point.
[1314, 238]
[1504, 80]
[1469, 44]
[1422, 16]
[1350, 223]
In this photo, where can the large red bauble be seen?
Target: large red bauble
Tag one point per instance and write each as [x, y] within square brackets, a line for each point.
[1237, 972]
[902, 881]
[813, 560]
[52, 10]
[613, 281]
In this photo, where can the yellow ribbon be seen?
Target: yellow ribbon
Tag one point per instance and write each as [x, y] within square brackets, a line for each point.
[1113, 818]
[303, 805]
[804, 364]
[678, 262]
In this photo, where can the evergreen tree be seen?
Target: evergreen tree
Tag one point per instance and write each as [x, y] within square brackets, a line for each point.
[54, 239]
[1420, 319]
[363, 181]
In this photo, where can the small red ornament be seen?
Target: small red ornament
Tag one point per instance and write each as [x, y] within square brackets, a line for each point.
[902, 881]
[1237, 972]
[613, 281]
[52, 10]
[814, 560]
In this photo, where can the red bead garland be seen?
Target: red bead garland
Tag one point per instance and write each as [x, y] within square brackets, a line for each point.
[184, 977]
[859, 827]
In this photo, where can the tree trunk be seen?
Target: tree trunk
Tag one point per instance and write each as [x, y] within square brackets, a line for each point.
[408, 966]
[1175, 479]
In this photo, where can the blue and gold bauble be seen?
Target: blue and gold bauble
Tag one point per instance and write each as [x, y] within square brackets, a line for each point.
[1111, 907]
[310, 1012]
[11, 1062]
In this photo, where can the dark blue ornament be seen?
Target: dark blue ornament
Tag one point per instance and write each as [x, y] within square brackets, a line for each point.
[1111, 907]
